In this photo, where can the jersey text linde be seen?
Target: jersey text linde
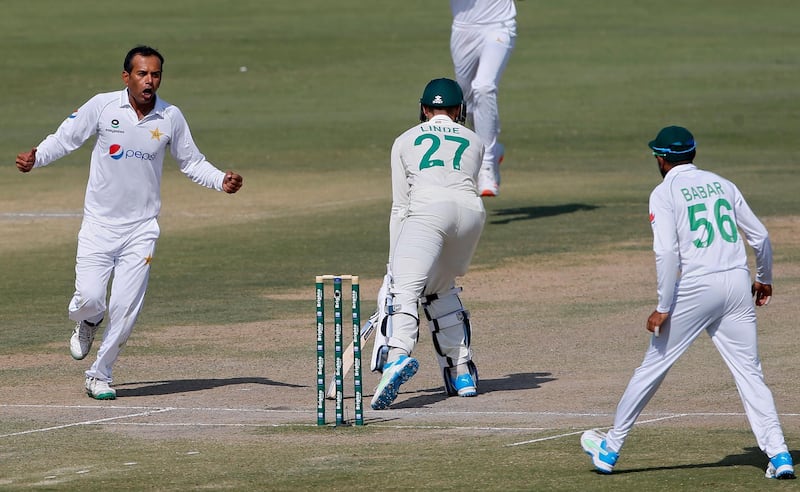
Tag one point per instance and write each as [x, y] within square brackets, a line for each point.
[704, 191]
[437, 128]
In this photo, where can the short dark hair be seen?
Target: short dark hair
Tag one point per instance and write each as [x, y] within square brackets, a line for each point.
[142, 50]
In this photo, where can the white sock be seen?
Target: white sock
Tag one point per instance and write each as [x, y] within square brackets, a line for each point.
[394, 354]
[459, 370]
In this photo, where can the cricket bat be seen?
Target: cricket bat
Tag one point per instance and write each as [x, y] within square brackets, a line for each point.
[348, 357]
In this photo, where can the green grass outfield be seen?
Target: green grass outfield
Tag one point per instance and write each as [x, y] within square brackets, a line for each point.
[327, 87]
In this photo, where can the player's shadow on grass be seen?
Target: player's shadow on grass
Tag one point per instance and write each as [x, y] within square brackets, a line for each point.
[508, 215]
[155, 388]
[751, 456]
[511, 382]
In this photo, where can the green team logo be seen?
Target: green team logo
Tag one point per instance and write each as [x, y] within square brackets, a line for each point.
[722, 223]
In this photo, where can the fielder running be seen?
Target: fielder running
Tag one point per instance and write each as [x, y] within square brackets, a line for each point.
[134, 129]
[703, 285]
[482, 37]
[436, 221]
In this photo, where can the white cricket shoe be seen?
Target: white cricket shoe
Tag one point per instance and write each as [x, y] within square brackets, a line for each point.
[593, 443]
[489, 175]
[394, 374]
[99, 389]
[487, 183]
[82, 337]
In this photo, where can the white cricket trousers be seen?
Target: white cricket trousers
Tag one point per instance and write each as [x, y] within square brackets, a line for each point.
[127, 254]
[722, 305]
[435, 245]
[480, 55]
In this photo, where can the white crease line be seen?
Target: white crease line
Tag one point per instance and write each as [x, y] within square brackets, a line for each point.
[40, 214]
[78, 407]
[349, 424]
[549, 438]
[154, 410]
[384, 413]
[460, 427]
[87, 422]
[429, 412]
[190, 409]
[199, 424]
[289, 212]
[245, 410]
[559, 436]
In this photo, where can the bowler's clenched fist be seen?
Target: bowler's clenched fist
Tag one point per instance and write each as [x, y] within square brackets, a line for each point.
[26, 160]
[232, 182]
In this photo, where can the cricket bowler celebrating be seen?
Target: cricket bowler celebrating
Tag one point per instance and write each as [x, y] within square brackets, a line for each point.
[703, 285]
[134, 130]
[436, 221]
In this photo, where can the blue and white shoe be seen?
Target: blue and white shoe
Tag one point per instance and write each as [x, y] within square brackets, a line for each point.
[780, 467]
[465, 386]
[594, 444]
[394, 374]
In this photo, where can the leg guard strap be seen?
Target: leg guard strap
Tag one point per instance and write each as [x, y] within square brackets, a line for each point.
[450, 327]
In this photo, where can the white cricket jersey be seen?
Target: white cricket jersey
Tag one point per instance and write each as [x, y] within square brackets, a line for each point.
[476, 12]
[124, 186]
[696, 217]
[435, 161]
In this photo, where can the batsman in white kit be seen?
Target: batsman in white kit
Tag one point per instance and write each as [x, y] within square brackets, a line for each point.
[483, 35]
[704, 284]
[134, 129]
[436, 221]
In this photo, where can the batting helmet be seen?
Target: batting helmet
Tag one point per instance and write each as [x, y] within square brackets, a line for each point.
[443, 93]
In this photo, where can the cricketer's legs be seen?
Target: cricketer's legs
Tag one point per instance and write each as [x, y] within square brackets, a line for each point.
[495, 53]
[451, 334]
[736, 340]
[479, 58]
[131, 274]
[93, 266]
[697, 306]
